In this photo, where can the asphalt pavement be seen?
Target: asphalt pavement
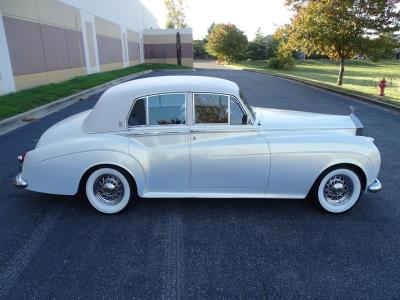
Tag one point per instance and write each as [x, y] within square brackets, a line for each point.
[60, 247]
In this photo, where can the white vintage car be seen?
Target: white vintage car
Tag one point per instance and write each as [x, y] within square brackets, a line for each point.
[192, 136]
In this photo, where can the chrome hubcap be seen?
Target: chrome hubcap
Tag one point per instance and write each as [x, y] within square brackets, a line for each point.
[108, 189]
[338, 189]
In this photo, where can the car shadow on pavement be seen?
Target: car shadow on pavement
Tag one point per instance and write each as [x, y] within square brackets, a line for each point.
[298, 210]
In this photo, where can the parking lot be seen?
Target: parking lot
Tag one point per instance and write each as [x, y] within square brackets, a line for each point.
[60, 247]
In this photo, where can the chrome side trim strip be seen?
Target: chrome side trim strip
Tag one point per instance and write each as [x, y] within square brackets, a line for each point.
[151, 133]
[221, 130]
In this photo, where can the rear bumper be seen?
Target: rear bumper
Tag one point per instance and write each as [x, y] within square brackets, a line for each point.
[19, 182]
[375, 187]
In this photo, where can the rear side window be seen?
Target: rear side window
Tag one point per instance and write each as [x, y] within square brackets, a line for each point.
[138, 113]
[166, 109]
[211, 108]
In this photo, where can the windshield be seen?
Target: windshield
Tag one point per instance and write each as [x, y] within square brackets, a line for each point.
[248, 106]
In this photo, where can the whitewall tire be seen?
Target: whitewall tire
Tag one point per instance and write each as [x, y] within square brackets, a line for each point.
[338, 190]
[108, 190]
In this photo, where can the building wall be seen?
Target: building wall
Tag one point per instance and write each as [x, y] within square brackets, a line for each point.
[44, 41]
[134, 48]
[109, 45]
[160, 46]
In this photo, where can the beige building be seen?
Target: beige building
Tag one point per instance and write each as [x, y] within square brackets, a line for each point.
[45, 41]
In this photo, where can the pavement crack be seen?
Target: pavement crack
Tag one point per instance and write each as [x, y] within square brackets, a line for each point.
[173, 261]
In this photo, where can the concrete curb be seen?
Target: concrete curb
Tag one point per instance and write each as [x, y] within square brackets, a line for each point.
[19, 120]
[343, 93]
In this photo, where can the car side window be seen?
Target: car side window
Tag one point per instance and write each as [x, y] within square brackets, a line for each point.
[237, 115]
[210, 108]
[138, 113]
[167, 109]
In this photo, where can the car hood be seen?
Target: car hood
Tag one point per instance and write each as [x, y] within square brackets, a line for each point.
[278, 119]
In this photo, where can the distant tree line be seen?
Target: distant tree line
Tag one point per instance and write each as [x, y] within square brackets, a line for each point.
[227, 43]
[334, 29]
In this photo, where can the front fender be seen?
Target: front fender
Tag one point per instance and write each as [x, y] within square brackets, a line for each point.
[297, 159]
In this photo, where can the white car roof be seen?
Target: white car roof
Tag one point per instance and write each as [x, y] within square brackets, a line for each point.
[111, 110]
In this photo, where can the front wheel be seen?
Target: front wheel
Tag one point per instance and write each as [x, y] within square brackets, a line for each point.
[338, 190]
[108, 190]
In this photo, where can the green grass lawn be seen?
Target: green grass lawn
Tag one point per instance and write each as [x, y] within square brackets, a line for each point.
[360, 77]
[15, 103]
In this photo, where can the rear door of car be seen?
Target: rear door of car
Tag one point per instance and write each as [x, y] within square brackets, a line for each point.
[160, 141]
[227, 153]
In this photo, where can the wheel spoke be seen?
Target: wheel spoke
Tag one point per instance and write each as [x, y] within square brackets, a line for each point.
[108, 189]
[338, 189]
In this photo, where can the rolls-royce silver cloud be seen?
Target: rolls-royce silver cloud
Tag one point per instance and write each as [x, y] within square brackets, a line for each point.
[193, 136]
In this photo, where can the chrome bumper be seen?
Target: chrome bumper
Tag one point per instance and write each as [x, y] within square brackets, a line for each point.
[19, 182]
[376, 186]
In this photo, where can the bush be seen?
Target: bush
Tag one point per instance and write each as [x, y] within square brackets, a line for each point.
[274, 63]
[286, 62]
[255, 51]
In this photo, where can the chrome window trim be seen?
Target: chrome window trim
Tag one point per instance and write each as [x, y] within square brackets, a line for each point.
[130, 111]
[243, 110]
[147, 110]
[248, 107]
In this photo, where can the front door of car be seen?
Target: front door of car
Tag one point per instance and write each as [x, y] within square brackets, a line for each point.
[228, 155]
[160, 141]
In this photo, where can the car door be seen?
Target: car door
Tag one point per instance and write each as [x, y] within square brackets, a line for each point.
[227, 153]
[160, 141]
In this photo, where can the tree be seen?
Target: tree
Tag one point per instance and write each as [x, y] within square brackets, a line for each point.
[381, 47]
[176, 17]
[169, 24]
[259, 38]
[226, 42]
[210, 29]
[340, 29]
[256, 50]
[271, 44]
[199, 49]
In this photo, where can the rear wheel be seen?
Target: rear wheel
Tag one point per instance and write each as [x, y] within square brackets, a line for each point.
[108, 190]
[338, 190]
